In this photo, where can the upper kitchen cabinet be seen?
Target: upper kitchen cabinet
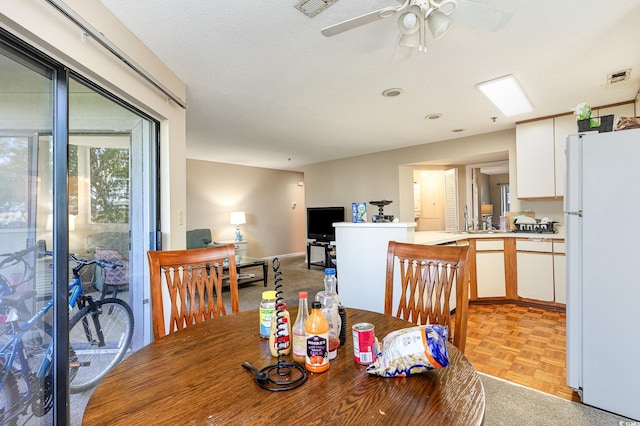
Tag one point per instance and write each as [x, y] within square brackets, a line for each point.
[563, 126]
[540, 145]
[535, 152]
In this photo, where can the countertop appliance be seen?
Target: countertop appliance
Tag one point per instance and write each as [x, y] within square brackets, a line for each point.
[603, 285]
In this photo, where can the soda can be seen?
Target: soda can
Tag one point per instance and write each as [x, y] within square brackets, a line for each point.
[364, 343]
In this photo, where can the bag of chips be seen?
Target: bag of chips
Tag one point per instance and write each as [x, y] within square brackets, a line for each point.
[412, 350]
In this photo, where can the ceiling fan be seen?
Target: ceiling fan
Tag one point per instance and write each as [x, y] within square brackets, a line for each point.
[416, 16]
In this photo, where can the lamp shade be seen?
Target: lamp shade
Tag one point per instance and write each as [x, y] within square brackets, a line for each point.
[238, 218]
[486, 209]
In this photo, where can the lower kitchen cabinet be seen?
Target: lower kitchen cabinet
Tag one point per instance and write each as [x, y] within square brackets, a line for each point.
[535, 271]
[490, 275]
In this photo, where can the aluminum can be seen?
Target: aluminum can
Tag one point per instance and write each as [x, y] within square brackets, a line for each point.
[364, 343]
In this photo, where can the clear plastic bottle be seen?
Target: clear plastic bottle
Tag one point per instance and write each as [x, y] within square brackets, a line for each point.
[280, 335]
[267, 306]
[330, 309]
[317, 334]
[298, 329]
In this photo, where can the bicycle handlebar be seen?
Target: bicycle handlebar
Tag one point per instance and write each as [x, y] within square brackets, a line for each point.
[19, 256]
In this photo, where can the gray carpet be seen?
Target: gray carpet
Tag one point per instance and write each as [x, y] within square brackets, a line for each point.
[506, 403]
[512, 404]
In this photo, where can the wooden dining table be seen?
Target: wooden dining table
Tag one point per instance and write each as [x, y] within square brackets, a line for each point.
[195, 377]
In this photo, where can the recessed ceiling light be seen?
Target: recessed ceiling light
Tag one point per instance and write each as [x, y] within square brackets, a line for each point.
[433, 116]
[507, 95]
[457, 130]
[390, 93]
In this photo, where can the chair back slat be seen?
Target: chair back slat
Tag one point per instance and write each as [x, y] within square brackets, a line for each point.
[192, 281]
[428, 276]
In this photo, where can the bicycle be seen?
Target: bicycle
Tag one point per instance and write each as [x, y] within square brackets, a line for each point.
[100, 334]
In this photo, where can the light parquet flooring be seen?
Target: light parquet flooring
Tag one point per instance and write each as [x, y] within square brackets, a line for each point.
[520, 344]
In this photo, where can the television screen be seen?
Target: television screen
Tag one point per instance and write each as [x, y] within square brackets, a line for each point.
[320, 222]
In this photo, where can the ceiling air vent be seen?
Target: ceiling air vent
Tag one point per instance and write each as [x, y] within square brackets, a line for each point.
[312, 7]
[619, 76]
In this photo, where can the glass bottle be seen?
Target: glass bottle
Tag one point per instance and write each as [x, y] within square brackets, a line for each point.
[317, 335]
[298, 329]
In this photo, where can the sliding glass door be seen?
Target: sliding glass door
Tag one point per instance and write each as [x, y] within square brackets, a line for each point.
[109, 179]
[78, 174]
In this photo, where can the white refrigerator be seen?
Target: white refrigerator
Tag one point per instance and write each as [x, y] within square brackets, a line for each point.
[602, 221]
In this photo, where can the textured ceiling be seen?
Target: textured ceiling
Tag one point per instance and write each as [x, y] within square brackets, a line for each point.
[266, 89]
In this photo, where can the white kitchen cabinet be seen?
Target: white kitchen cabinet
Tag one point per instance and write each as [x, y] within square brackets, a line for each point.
[560, 272]
[540, 156]
[490, 275]
[535, 272]
[563, 126]
[535, 159]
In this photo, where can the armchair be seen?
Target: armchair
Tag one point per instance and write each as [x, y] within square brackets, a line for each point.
[114, 247]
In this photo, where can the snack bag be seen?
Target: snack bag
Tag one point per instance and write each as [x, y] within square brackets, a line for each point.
[412, 350]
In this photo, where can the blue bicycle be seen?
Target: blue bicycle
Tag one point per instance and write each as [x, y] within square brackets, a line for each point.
[99, 336]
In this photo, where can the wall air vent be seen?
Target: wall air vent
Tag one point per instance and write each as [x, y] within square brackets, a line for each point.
[619, 76]
[312, 7]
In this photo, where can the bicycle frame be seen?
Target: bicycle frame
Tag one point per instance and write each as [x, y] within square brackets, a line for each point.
[17, 345]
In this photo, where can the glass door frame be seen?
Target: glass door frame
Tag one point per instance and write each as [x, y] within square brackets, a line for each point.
[148, 208]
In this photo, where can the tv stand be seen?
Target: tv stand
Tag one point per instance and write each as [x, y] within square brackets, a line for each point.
[326, 263]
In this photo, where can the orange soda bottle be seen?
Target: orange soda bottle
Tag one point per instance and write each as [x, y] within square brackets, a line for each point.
[317, 335]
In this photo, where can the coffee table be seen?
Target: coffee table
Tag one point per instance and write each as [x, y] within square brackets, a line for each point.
[244, 262]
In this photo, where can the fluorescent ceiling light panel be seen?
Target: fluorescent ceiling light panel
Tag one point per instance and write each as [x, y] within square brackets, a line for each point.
[507, 95]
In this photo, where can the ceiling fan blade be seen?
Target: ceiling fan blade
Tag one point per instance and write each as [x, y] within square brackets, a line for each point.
[367, 18]
[481, 16]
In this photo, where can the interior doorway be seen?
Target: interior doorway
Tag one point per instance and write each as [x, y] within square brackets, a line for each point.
[435, 199]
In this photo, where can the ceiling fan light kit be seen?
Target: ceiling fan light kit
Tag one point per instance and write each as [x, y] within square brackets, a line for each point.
[417, 15]
[439, 24]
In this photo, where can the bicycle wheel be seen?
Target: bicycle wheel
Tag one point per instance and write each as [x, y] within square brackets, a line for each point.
[8, 399]
[95, 357]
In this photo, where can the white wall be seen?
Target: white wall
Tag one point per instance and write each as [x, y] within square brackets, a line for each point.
[389, 174]
[274, 225]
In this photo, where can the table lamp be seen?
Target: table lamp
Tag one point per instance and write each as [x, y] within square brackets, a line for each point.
[486, 209]
[237, 219]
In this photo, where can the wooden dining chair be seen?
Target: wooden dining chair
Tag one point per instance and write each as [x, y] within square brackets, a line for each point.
[189, 282]
[427, 276]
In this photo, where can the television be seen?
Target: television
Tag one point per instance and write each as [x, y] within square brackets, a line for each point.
[320, 222]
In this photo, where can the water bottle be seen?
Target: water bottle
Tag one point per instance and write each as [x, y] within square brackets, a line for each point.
[330, 280]
[331, 285]
[330, 309]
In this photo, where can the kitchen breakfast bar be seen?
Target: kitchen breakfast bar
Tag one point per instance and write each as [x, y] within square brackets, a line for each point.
[518, 267]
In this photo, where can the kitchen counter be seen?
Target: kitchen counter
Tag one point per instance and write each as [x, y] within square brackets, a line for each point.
[444, 237]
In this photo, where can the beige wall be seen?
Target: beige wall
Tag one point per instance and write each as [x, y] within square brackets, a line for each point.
[389, 174]
[43, 27]
[274, 225]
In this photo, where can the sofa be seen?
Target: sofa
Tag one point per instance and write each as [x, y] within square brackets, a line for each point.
[199, 238]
